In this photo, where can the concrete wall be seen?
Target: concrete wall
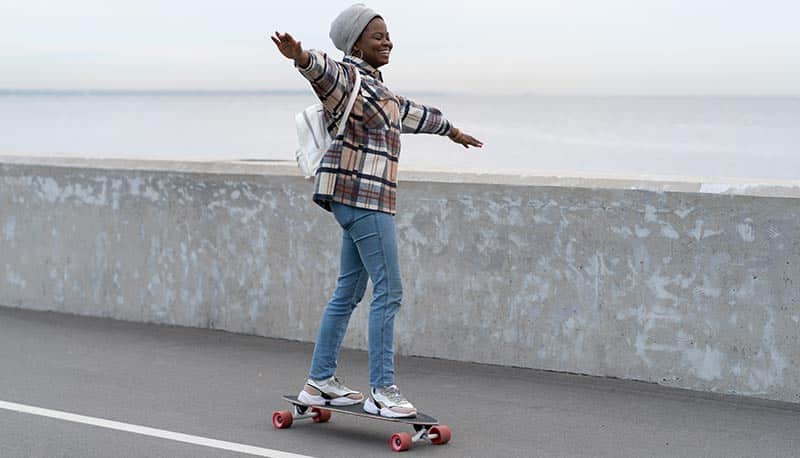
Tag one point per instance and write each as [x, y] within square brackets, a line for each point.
[685, 284]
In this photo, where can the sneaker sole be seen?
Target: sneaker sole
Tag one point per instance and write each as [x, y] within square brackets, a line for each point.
[311, 400]
[370, 407]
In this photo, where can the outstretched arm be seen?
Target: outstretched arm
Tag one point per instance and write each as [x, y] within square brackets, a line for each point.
[331, 80]
[421, 119]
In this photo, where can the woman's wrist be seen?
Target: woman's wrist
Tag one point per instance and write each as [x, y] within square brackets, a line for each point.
[453, 132]
[303, 59]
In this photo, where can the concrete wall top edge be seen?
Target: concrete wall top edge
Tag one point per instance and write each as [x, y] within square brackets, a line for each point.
[729, 186]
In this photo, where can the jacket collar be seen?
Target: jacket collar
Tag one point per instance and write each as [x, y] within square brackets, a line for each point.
[364, 67]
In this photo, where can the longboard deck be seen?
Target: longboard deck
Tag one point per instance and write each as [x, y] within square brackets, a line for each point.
[358, 410]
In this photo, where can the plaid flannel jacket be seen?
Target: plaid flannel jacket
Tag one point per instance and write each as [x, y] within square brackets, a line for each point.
[360, 167]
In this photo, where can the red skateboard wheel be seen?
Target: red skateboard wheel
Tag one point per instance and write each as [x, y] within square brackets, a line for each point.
[322, 416]
[400, 442]
[443, 433]
[281, 419]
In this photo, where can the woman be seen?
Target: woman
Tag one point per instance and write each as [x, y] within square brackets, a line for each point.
[357, 181]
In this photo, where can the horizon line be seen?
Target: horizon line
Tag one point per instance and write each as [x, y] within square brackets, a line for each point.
[222, 92]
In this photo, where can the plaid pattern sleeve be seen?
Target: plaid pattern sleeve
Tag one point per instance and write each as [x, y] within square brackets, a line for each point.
[421, 119]
[331, 81]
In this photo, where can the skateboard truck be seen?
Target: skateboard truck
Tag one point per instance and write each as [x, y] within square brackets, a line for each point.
[282, 419]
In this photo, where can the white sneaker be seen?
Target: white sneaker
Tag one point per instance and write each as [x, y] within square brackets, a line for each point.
[389, 402]
[328, 392]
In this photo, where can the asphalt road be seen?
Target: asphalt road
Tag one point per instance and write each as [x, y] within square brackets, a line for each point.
[222, 386]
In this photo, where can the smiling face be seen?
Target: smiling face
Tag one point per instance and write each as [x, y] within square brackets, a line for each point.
[374, 42]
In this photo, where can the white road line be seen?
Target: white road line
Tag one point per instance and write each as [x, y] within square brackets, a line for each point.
[144, 430]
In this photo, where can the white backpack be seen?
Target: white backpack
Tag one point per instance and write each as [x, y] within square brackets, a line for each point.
[314, 137]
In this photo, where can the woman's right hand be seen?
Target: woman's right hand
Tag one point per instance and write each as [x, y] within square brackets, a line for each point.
[288, 46]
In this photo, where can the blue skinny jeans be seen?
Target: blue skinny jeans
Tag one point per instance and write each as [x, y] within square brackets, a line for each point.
[369, 251]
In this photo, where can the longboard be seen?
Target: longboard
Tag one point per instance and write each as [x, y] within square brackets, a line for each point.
[426, 427]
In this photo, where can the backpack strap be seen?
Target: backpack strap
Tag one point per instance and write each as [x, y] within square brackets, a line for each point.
[350, 102]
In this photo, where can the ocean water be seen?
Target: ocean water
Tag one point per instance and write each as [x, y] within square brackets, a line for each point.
[754, 138]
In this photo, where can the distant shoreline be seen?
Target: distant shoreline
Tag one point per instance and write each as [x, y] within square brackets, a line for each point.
[295, 92]
[157, 92]
[170, 92]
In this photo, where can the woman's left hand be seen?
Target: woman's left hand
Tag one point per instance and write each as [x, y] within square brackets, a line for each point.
[464, 139]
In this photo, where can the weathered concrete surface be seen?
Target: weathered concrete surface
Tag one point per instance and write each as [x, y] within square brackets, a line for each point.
[690, 289]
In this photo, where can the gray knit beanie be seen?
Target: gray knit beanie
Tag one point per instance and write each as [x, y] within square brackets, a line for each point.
[349, 24]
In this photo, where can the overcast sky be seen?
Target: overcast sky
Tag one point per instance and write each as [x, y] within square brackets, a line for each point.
[536, 46]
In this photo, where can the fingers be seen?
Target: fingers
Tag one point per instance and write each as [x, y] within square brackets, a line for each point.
[279, 42]
[467, 140]
[472, 141]
[288, 38]
[287, 45]
[283, 38]
[475, 142]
